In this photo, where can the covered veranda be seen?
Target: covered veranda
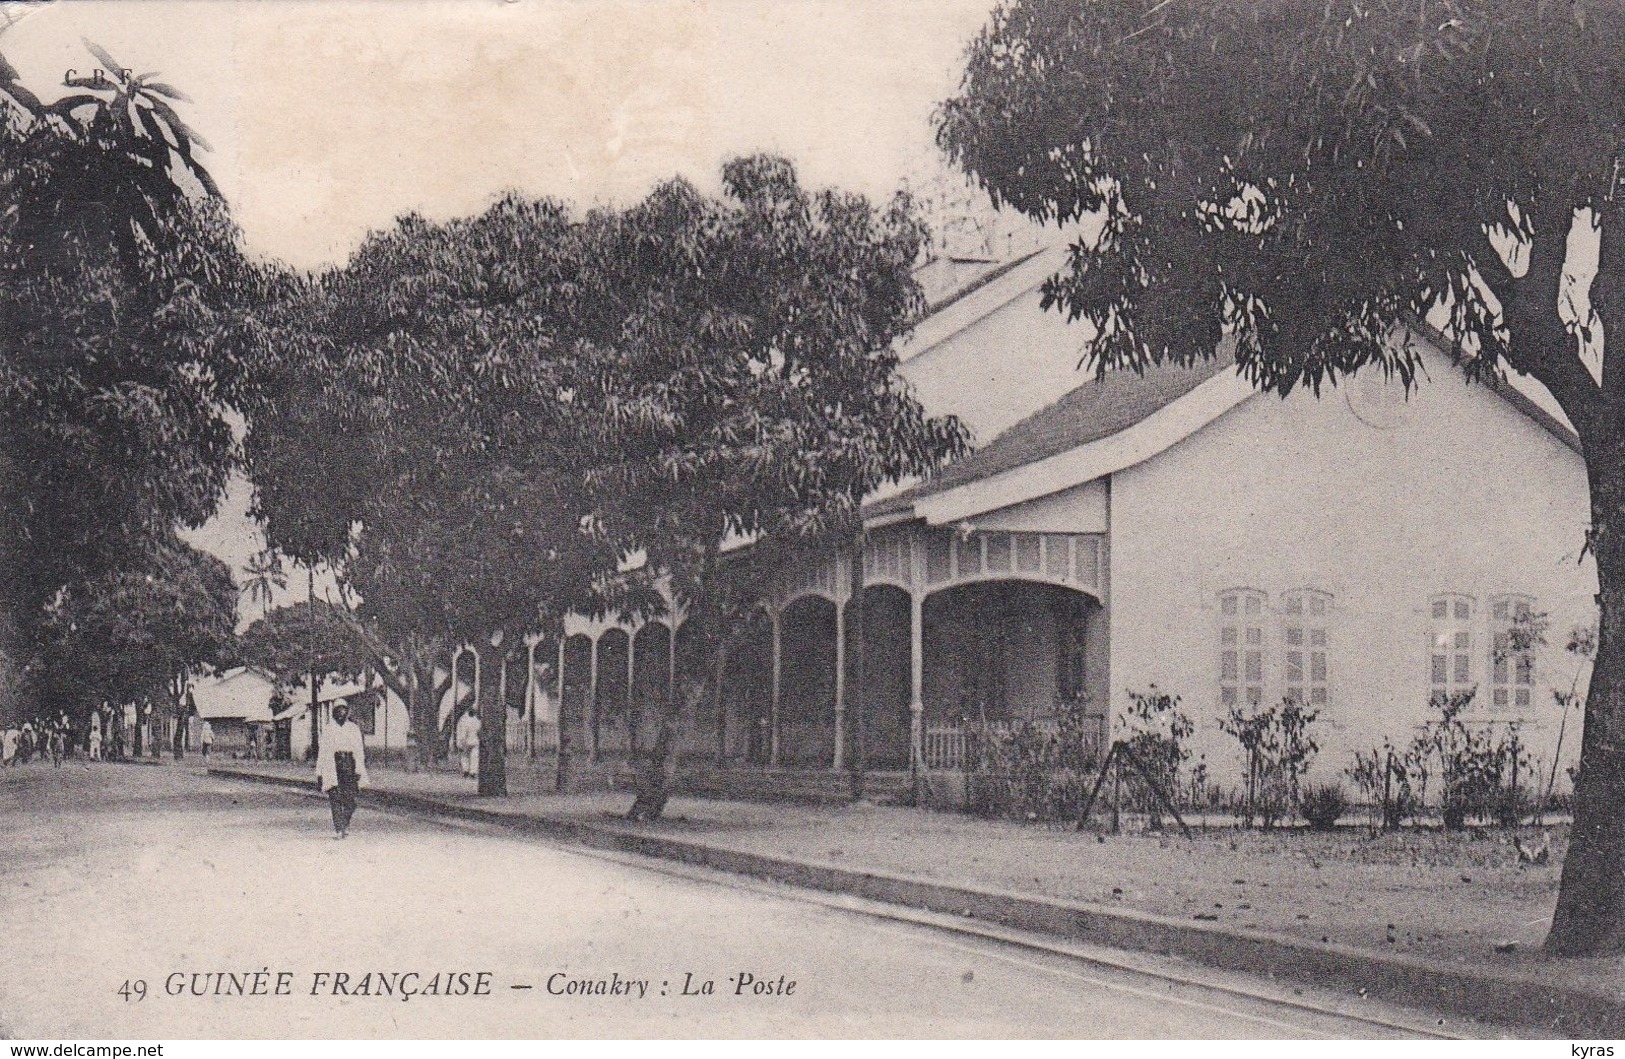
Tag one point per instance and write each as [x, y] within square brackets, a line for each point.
[957, 629]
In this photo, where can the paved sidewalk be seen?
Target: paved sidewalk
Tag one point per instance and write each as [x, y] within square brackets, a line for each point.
[1446, 921]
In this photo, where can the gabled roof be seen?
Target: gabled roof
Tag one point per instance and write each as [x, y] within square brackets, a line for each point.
[1110, 423]
[1097, 409]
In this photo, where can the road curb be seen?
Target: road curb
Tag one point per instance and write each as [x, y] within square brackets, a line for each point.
[1494, 997]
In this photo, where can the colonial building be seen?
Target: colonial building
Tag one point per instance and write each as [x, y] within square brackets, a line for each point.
[1361, 552]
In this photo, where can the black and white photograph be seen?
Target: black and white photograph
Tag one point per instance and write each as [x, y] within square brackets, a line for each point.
[934, 520]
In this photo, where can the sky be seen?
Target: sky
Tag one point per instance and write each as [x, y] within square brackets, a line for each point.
[328, 120]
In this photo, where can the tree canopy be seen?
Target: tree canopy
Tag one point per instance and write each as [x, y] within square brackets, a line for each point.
[1305, 178]
[491, 422]
[119, 273]
[140, 634]
[292, 641]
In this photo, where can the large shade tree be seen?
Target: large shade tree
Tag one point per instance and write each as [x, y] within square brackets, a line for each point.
[119, 270]
[489, 423]
[418, 422]
[292, 642]
[139, 634]
[757, 329]
[1306, 176]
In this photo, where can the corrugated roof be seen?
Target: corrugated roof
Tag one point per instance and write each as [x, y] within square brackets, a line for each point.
[1097, 409]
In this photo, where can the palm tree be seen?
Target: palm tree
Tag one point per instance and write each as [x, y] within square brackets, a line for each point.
[264, 575]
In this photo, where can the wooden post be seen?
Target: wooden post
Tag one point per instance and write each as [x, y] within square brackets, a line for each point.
[590, 711]
[778, 677]
[530, 695]
[916, 693]
[860, 697]
[839, 762]
[561, 762]
[631, 692]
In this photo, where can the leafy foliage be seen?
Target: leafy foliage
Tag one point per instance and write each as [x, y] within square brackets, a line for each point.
[1279, 749]
[1154, 729]
[491, 422]
[1475, 764]
[1303, 179]
[1035, 772]
[119, 273]
[1323, 804]
[293, 641]
[139, 634]
[1384, 785]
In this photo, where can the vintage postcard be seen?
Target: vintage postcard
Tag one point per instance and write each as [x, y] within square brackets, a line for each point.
[937, 519]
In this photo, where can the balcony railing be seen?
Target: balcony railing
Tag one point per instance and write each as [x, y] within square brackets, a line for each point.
[955, 747]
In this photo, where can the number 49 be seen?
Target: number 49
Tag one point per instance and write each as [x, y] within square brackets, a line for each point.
[133, 989]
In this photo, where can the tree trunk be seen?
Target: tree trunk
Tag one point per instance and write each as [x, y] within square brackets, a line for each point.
[425, 712]
[653, 773]
[493, 721]
[1590, 917]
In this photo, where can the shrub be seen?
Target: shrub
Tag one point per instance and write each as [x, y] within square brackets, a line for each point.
[1384, 785]
[1322, 804]
[1034, 773]
[1278, 749]
[1154, 730]
[1476, 771]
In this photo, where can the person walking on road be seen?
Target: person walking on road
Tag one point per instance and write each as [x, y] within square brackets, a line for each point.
[94, 742]
[468, 742]
[341, 767]
[205, 738]
[10, 740]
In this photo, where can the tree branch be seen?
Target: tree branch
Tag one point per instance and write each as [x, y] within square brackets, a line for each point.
[1539, 345]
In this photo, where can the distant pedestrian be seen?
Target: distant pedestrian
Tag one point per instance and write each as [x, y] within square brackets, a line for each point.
[205, 738]
[28, 743]
[59, 746]
[341, 767]
[94, 742]
[10, 741]
[468, 741]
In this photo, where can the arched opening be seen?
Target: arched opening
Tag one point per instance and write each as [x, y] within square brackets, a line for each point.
[515, 675]
[748, 692]
[611, 705]
[577, 688]
[880, 696]
[807, 682]
[1010, 650]
[464, 682]
[651, 681]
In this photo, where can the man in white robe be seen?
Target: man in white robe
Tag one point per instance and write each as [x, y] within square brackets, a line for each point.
[468, 741]
[341, 766]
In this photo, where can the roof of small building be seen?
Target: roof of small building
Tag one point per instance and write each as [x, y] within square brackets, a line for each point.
[242, 693]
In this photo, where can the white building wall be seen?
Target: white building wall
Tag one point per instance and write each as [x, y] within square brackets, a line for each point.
[1382, 503]
[999, 369]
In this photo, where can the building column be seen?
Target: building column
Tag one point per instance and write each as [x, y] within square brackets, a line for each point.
[773, 702]
[559, 738]
[631, 691]
[840, 688]
[502, 695]
[916, 687]
[590, 714]
[530, 696]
